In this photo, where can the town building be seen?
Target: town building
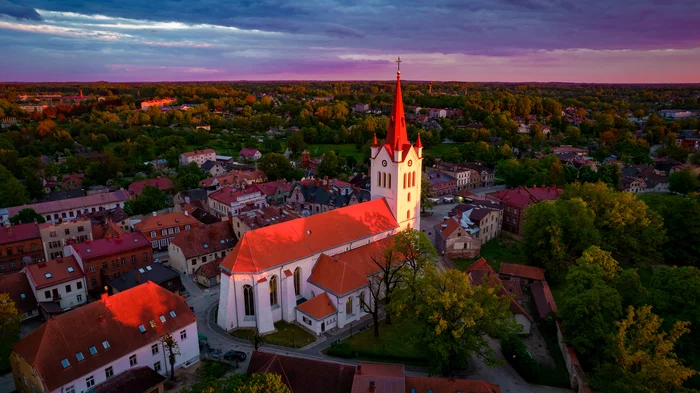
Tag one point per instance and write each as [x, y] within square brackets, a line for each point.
[197, 156]
[114, 221]
[441, 183]
[688, 140]
[162, 229]
[134, 380]
[462, 174]
[483, 219]
[58, 285]
[200, 244]
[162, 183]
[54, 237]
[676, 113]
[213, 168]
[237, 179]
[157, 103]
[454, 241]
[71, 208]
[480, 176]
[655, 178]
[544, 300]
[16, 285]
[196, 197]
[105, 259]
[20, 245]
[230, 201]
[516, 201]
[525, 274]
[156, 273]
[72, 181]
[276, 192]
[252, 218]
[248, 154]
[273, 270]
[80, 349]
[318, 196]
[208, 274]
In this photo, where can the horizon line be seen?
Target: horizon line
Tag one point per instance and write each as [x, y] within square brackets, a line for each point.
[355, 81]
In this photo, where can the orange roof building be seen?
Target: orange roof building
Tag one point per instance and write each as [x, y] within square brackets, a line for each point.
[115, 334]
[316, 270]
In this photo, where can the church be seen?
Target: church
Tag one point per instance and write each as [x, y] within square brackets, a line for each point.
[314, 270]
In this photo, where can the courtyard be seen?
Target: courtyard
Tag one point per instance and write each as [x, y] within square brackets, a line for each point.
[285, 335]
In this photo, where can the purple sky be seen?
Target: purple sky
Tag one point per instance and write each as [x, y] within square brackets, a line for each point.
[632, 41]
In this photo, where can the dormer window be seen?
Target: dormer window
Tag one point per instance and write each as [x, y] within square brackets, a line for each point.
[172, 314]
[162, 318]
[152, 323]
[71, 270]
[48, 275]
[149, 268]
[142, 329]
[65, 363]
[22, 296]
[105, 344]
[79, 356]
[93, 350]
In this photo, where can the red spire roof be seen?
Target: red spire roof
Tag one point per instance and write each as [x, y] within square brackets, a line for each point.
[396, 136]
[419, 145]
[374, 141]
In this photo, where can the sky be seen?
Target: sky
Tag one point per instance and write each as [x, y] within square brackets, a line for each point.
[609, 41]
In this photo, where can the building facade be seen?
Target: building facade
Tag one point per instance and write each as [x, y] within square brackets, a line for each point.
[230, 201]
[58, 285]
[55, 237]
[197, 156]
[57, 211]
[200, 245]
[161, 230]
[20, 245]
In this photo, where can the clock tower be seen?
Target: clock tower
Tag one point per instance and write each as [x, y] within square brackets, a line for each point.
[396, 166]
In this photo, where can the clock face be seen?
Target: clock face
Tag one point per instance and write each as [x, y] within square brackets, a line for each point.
[384, 163]
[410, 162]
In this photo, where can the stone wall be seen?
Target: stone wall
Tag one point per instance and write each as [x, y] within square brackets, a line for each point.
[578, 379]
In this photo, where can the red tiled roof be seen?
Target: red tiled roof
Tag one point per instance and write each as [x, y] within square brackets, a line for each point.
[217, 237]
[318, 307]
[452, 225]
[480, 272]
[210, 269]
[16, 285]
[544, 300]
[61, 270]
[81, 203]
[114, 319]
[157, 223]
[18, 233]
[246, 152]
[198, 152]
[161, 183]
[263, 248]
[387, 378]
[123, 243]
[513, 287]
[228, 194]
[444, 385]
[270, 188]
[480, 264]
[522, 271]
[304, 375]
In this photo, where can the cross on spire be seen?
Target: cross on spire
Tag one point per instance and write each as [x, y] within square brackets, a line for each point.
[398, 64]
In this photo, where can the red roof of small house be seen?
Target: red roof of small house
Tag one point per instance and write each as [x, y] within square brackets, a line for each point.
[270, 188]
[157, 223]
[54, 272]
[318, 307]
[247, 152]
[480, 272]
[161, 183]
[201, 239]
[198, 152]
[480, 264]
[521, 195]
[17, 286]
[522, 271]
[210, 269]
[445, 385]
[387, 378]
[274, 245]
[114, 319]
[544, 300]
[18, 233]
[451, 226]
[115, 245]
[228, 194]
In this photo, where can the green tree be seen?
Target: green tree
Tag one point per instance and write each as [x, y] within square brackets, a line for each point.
[12, 192]
[150, 200]
[295, 142]
[611, 175]
[681, 217]
[426, 193]
[683, 181]
[417, 252]
[189, 176]
[275, 165]
[593, 255]
[26, 216]
[454, 318]
[172, 350]
[242, 383]
[332, 165]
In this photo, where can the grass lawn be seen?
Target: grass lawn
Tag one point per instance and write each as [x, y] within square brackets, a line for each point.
[287, 335]
[393, 344]
[441, 149]
[212, 369]
[345, 150]
[495, 251]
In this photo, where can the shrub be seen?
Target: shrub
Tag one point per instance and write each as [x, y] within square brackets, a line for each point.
[517, 355]
[342, 350]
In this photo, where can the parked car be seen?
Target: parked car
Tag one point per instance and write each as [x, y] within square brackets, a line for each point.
[235, 355]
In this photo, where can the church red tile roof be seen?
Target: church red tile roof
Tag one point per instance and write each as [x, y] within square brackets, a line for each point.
[114, 319]
[318, 307]
[59, 270]
[522, 271]
[271, 246]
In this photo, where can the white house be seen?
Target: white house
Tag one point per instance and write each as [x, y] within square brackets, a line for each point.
[197, 156]
[82, 348]
[67, 209]
[58, 284]
[229, 200]
[314, 270]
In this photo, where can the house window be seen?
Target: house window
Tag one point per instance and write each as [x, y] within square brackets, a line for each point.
[363, 305]
[348, 306]
[171, 231]
[105, 344]
[79, 298]
[70, 389]
[93, 350]
[132, 360]
[409, 197]
[183, 335]
[297, 281]
[81, 229]
[153, 234]
[133, 259]
[273, 291]
[194, 261]
[408, 215]
[109, 372]
[187, 227]
[413, 181]
[404, 180]
[90, 381]
[248, 300]
[145, 256]
[177, 229]
[154, 349]
[67, 231]
[389, 181]
[384, 179]
[68, 288]
[379, 179]
[47, 294]
[156, 366]
[93, 281]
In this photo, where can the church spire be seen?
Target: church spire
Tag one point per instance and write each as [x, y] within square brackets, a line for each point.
[396, 136]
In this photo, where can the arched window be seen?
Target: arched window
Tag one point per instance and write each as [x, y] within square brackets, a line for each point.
[248, 300]
[348, 306]
[384, 179]
[389, 181]
[273, 291]
[297, 281]
[408, 215]
[404, 180]
[379, 179]
[413, 181]
[409, 197]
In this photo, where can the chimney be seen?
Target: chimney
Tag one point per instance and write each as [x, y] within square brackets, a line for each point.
[359, 370]
[138, 277]
[372, 387]
[187, 213]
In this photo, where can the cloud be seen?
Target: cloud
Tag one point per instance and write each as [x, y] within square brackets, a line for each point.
[18, 11]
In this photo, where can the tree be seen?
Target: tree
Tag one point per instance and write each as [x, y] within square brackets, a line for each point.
[242, 383]
[12, 192]
[611, 175]
[683, 181]
[681, 216]
[426, 193]
[26, 216]
[454, 318]
[9, 320]
[295, 142]
[593, 255]
[390, 265]
[150, 200]
[417, 252]
[275, 165]
[172, 350]
[332, 165]
[644, 353]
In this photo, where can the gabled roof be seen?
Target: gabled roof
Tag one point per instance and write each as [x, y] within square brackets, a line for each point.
[155, 273]
[247, 152]
[161, 183]
[544, 300]
[209, 164]
[198, 152]
[318, 307]
[17, 286]
[157, 223]
[480, 272]
[228, 194]
[54, 272]
[205, 239]
[521, 195]
[210, 269]
[522, 271]
[274, 245]
[123, 243]
[18, 233]
[134, 380]
[81, 203]
[304, 375]
[114, 319]
[451, 226]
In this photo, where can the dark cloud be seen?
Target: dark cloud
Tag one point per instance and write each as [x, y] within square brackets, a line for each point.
[18, 11]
